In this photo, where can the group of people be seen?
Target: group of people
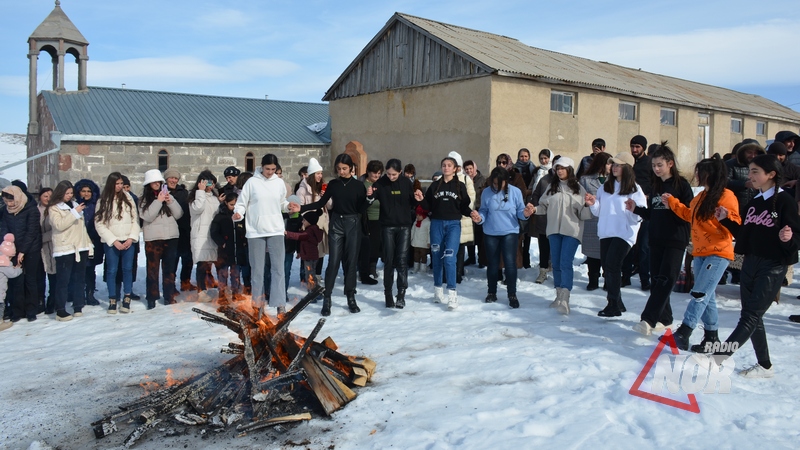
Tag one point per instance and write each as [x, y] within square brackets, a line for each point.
[630, 213]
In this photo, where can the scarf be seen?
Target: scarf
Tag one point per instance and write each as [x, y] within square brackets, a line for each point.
[525, 167]
[20, 199]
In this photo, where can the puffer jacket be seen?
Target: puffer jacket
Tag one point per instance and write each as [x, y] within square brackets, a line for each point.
[69, 231]
[203, 210]
[122, 229]
[47, 243]
[24, 226]
[467, 233]
[157, 225]
[565, 211]
[88, 217]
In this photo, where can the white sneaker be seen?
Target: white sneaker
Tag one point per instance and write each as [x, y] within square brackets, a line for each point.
[452, 299]
[438, 294]
[644, 328]
[757, 371]
[659, 327]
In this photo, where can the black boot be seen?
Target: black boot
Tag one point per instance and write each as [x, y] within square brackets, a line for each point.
[326, 306]
[387, 296]
[709, 338]
[401, 299]
[682, 335]
[513, 301]
[367, 280]
[90, 285]
[151, 304]
[594, 274]
[594, 282]
[491, 298]
[351, 304]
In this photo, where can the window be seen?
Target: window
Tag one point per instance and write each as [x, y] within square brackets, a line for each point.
[668, 116]
[736, 126]
[761, 128]
[562, 102]
[627, 111]
[250, 163]
[163, 160]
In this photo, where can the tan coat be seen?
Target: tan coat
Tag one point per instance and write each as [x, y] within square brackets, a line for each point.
[203, 209]
[69, 231]
[158, 226]
[121, 229]
[47, 243]
[467, 233]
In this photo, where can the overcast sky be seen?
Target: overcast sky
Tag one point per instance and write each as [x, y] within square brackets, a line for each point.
[295, 50]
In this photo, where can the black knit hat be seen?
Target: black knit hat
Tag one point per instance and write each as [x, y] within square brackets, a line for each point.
[639, 139]
[777, 148]
[231, 171]
[311, 217]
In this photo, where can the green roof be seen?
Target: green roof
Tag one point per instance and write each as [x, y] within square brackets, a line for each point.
[148, 115]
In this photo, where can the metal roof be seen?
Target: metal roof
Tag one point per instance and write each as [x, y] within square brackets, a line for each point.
[510, 57]
[58, 26]
[148, 115]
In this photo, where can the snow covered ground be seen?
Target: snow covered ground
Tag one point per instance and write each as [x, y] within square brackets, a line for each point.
[12, 149]
[483, 376]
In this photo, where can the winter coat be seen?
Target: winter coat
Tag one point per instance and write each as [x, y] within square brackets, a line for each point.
[25, 226]
[264, 201]
[537, 225]
[709, 237]
[541, 171]
[120, 229]
[643, 170]
[738, 176]
[69, 231]
[467, 232]
[501, 211]
[229, 237]
[88, 218]
[181, 195]
[47, 243]
[421, 235]
[590, 244]
[309, 242]
[158, 226]
[526, 170]
[479, 182]
[565, 211]
[307, 196]
[666, 228]
[615, 220]
[203, 210]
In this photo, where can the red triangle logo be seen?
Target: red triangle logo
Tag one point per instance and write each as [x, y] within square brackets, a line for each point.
[691, 406]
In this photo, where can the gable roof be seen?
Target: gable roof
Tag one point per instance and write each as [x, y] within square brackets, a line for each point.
[501, 55]
[114, 114]
[58, 26]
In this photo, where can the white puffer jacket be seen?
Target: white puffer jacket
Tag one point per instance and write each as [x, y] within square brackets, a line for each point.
[467, 235]
[69, 234]
[203, 209]
[119, 229]
[157, 225]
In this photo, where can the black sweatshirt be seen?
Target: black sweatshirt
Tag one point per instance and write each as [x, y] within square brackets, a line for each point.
[666, 228]
[447, 201]
[758, 233]
[397, 201]
[349, 197]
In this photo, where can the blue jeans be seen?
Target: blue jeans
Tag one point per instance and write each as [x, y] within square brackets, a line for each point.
[702, 304]
[495, 247]
[445, 237]
[113, 257]
[562, 252]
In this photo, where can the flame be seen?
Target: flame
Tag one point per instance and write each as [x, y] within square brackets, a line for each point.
[169, 381]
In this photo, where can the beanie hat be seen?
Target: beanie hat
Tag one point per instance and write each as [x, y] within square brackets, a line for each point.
[421, 211]
[639, 139]
[231, 171]
[777, 148]
[457, 157]
[314, 166]
[311, 217]
[172, 173]
[20, 184]
[126, 181]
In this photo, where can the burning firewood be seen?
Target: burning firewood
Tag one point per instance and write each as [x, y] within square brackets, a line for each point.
[272, 371]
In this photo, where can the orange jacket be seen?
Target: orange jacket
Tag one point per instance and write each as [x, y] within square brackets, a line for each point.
[709, 237]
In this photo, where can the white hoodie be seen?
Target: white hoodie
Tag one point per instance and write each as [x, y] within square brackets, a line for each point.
[262, 202]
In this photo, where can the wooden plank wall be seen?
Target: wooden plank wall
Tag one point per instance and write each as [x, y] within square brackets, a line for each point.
[404, 58]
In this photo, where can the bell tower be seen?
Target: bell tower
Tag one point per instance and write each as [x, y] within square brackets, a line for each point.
[57, 36]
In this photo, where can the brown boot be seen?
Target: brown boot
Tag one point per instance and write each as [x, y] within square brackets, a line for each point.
[187, 285]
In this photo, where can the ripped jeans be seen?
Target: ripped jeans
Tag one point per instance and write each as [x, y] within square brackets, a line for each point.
[702, 301]
[445, 237]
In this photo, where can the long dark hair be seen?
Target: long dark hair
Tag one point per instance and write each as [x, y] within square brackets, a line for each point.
[204, 175]
[58, 195]
[242, 179]
[664, 152]
[710, 172]
[149, 196]
[311, 181]
[770, 163]
[344, 158]
[105, 206]
[598, 164]
[43, 191]
[626, 186]
[499, 176]
[572, 182]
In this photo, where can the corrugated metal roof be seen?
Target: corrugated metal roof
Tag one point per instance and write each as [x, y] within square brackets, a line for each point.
[58, 26]
[147, 114]
[507, 56]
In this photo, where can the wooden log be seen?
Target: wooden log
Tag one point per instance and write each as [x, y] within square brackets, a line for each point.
[213, 318]
[271, 422]
[328, 342]
[304, 349]
[280, 328]
[331, 393]
[139, 432]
